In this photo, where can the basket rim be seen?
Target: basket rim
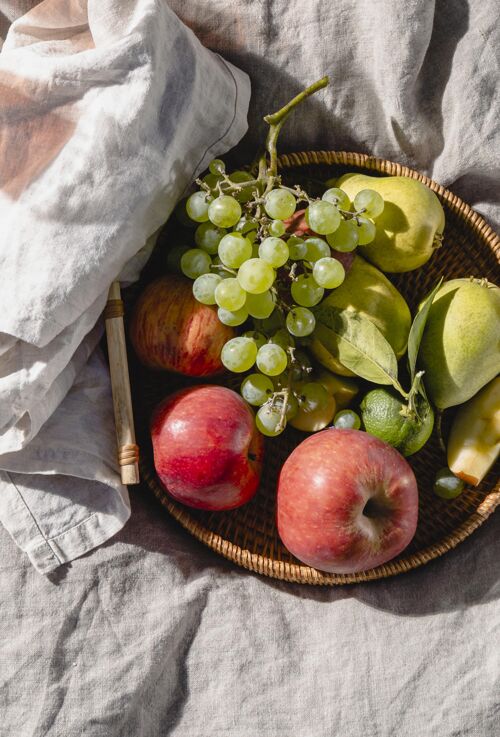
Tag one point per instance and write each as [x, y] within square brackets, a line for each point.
[297, 572]
[300, 573]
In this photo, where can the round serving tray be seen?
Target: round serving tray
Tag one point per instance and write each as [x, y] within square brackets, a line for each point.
[248, 536]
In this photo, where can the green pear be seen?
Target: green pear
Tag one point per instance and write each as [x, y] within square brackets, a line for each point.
[460, 348]
[410, 227]
[369, 292]
[474, 442]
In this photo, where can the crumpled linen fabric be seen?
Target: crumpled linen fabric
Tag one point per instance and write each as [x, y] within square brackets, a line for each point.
[108, 110]
[152, 634]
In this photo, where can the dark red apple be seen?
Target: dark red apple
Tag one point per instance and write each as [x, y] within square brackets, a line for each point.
[207, 450]
[171, 330]
[347, 501]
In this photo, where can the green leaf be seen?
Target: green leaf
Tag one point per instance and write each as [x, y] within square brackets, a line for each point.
[357, 343]
[417, 329]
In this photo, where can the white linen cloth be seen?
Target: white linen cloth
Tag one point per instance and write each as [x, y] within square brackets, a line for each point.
[108, 110]
[153, 635]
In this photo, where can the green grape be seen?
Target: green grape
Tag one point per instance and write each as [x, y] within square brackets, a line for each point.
[301, 367]
[283, 338]
[232, 318]
[322, 217]
[312, 396]
[234, 249]
[271, 359]
[260, 305]
[195, 262]
[197, 207]
[256, 276]
[317, 248]
[246, 193]
[328, 273]
[277, 228]
[239, 354]
[297, 248]
[257, 389]
[174, 256]
[447, 485]
[229, 295]
[208, 236]
[306, 292]
[268, 419]
[300, 322]
[204, 288]
[211, 180]
[280, 204]
[224, 211]
[246, 226]
[366, 230]
[337, 197]
[216, 167]
[346, 419]
[260, 339]
[292, 408]
[345, 238]
[370, 202]
[269, 325]
[274, 251]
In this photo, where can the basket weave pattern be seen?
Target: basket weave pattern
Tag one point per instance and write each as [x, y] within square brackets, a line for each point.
[247, 536]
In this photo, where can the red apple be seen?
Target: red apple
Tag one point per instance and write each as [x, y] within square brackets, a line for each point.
[207, 450]
[171, 330]
[347, 501]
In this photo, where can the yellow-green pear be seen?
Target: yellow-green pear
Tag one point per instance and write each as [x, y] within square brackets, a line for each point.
[460, 348]
[341, 388]
[474, 442]
[369, 292]
[410, 227]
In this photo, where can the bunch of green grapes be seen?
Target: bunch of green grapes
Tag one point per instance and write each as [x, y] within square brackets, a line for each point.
[265, 279]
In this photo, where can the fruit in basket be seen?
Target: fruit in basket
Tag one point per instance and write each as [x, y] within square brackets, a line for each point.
[474, 441]
[207, 451]
[346, 501]
[447, 485]
[343, 389]
[284, 263]
[386, 417]
[368, 291]
[460, 347]
[346, 419]
[312, 420]
[410, 227]
[172, 330]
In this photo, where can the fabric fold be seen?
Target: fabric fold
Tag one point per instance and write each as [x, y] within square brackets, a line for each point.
[108, 111]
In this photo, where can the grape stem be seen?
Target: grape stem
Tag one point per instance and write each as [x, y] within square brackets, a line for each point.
[285, 393]
[221, 267]
[276, 120]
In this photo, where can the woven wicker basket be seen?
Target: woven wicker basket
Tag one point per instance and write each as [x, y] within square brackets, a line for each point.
[247, 536]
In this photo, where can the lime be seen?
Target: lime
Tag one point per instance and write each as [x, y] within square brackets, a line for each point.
[382, 412]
